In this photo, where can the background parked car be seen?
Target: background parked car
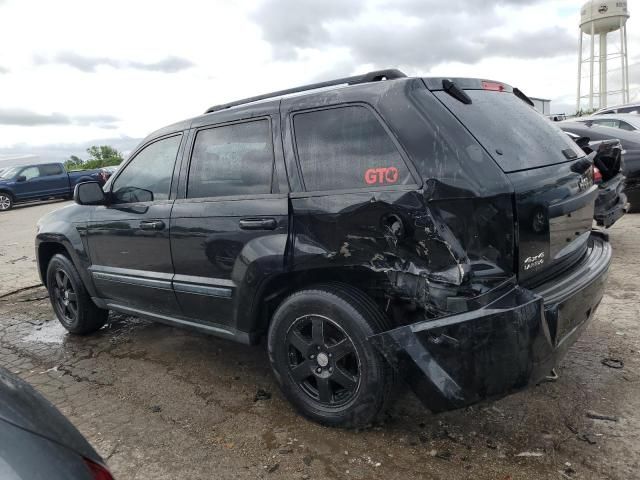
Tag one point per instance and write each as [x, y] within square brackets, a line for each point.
[39, 182]
[630, 142]
[37, 441]
[606, 155]
[624, 121]
[627, 108]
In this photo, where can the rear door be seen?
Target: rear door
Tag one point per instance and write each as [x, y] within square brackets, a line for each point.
[552, 180]
[229, 228]
[54, 180]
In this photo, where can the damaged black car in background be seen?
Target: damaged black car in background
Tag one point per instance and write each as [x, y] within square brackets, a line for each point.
[630, 142]
[370, 227]
[606, 156]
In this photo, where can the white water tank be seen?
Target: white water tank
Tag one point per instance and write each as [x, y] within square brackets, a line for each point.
[605, 16]
[599, 18]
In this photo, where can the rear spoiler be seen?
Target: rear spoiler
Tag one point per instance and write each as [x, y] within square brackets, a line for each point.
[456, 87]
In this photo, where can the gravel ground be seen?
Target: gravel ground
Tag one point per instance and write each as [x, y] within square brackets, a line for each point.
[17, 255]
[163, 403]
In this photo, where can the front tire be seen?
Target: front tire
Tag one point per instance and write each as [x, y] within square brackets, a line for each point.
[6, 201]
[71, 302]
[322, 359]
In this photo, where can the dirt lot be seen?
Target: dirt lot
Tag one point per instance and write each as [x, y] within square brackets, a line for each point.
[163, 403]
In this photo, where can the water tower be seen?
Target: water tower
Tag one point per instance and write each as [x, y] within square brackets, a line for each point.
[601, 17]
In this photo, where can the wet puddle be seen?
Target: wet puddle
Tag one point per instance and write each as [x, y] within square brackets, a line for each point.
[50, 332]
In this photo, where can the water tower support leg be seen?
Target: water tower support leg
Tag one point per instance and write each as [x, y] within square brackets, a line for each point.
[603, 70]
[625, 64]
[591, 68]
[579, 71]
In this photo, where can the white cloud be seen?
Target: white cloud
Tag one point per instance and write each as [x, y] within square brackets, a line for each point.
[146, 63]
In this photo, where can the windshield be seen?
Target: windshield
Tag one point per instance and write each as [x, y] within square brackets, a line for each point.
[513, 133]
[10, 172]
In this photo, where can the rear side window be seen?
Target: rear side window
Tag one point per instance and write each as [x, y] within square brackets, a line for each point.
[233, 159]
[50, 170]
[513, 133]
[346, 147]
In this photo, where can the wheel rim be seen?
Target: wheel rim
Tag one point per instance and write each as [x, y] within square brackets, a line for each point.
[323, 360]
[65, 297]
[5, 202]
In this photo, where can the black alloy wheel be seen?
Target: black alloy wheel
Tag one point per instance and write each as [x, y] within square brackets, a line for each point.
[323, 360]
[66, 299]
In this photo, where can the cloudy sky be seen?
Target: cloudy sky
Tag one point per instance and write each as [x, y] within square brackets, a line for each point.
[78, 72]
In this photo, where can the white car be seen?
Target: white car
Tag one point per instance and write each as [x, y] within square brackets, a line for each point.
[625, 121]
[628, 108]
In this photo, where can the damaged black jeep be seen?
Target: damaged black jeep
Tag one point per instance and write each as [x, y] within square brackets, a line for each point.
[372, 228]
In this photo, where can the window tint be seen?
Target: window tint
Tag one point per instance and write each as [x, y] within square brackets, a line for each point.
[626, 126]
[634, 109]
[231, 160]
[30, 172]
[49, 170]
[346, 147]
[515, 135]
[148, 176]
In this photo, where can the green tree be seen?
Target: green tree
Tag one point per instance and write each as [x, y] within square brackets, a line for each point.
[74, 163]
[102, 156]
[99, 156]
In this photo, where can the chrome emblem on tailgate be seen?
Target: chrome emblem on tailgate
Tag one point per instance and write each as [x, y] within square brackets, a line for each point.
[534, 261]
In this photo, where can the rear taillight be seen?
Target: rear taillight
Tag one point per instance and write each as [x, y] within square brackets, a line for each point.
[597, 176]
[98, 472]
[493, 86]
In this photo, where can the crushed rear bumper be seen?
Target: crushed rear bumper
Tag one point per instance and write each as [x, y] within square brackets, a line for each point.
[512, 342]
[611, 203]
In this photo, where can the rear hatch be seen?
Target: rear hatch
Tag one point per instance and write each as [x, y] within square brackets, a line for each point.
[551, 176]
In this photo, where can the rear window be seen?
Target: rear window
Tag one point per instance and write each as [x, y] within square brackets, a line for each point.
[515, 135]
[345, 148]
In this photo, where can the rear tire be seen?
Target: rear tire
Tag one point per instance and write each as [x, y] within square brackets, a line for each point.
[321, 357]
[71, 302]
[6, 201]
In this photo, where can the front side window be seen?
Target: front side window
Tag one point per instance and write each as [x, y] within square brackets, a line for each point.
[30, 172]
[148, 176]
[232, 159]
[346, 147]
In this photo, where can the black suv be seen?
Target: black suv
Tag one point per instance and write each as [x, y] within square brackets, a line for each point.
[372, 228]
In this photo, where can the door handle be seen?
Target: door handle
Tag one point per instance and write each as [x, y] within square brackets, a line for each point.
[152, 225]
[258, 224]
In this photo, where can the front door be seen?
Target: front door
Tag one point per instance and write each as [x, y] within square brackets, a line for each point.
[27, 184]
[129, 237]
[230, 229]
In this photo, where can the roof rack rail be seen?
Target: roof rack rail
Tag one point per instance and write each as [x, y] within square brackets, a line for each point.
[375, 76]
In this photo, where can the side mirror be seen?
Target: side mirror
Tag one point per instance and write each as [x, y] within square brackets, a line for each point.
[21, 178]
[89, 193]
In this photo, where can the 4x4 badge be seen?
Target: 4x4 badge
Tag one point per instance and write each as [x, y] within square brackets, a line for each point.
[381, 175]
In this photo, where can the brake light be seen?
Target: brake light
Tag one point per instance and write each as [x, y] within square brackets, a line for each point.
[597, 176]
[98, 472]
[493, 86]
